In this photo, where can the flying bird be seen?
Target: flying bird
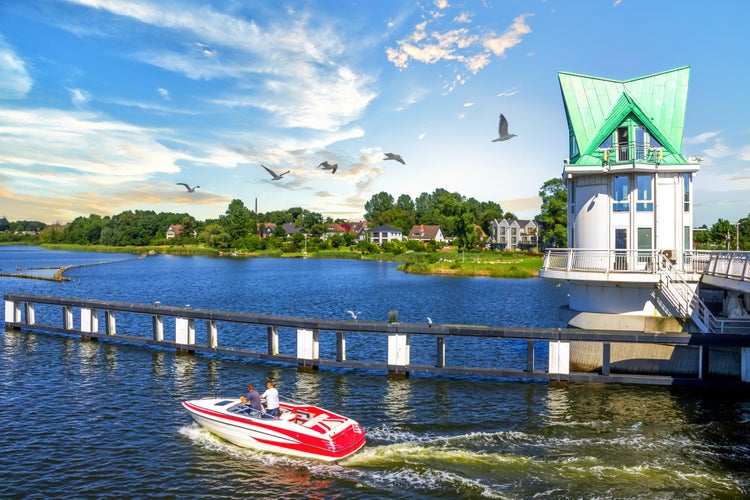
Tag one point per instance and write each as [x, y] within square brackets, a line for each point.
[275, 176]
[503, 130]
[394, 156]
[353, 314]
[329, 166]
[190, 189]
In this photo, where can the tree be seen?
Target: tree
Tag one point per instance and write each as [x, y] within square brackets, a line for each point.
[379, 209]
[554, 214]
[237, 221]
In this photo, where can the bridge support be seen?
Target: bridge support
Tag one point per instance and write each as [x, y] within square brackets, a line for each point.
[308, 349]
[398, 355]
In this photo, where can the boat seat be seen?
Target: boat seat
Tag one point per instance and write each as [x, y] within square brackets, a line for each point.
[315, 420]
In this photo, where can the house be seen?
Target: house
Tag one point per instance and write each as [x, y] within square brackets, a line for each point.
[290, 228]
[176, 230]
[383, 234]
[335, 228]
[173, 231]
[265, 229]
[513, 235]
[359, 229]
[426, 233]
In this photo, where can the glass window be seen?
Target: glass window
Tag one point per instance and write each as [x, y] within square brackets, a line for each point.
[640, 143]
[686, 192]
[644, 238]
[653, 142]
[623, 148]
[621, 192]
[645, 201]
[687, 243]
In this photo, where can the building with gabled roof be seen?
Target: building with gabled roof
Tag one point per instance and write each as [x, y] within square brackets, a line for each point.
[425, 233]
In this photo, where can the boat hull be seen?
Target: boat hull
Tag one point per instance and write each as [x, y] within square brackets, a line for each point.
[304, 431]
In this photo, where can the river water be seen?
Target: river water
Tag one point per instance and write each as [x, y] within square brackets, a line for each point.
[99, 419]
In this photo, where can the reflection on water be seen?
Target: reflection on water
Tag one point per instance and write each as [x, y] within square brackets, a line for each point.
[396, 400]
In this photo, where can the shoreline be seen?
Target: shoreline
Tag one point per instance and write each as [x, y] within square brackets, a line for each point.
[485, 264]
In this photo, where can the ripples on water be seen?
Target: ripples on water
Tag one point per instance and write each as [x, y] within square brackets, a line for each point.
[96, 419]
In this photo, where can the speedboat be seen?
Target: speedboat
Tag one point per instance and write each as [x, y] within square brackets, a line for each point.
[300, 430]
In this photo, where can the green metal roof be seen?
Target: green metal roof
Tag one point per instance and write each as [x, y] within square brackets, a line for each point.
[595, 106]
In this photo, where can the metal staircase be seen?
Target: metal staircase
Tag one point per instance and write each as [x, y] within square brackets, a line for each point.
[684, 299]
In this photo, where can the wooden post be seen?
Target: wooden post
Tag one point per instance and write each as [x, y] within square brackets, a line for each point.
[703, 361]
[340, 346]
[529, 355]
[158, 324]
[606, 358]
[212, 334]
[30, 316]
[745, 364]
[440, 351]
[109, 322]
[273, 340]
[308, 349]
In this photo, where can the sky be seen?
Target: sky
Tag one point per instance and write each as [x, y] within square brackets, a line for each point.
[105, 105]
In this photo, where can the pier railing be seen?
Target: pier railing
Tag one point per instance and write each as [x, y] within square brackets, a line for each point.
[21, 314]
[623, 261]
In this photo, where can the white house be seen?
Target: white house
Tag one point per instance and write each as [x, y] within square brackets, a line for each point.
[512, 235]
[384, 233]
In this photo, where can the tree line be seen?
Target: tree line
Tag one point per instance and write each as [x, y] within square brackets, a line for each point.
[464, 220]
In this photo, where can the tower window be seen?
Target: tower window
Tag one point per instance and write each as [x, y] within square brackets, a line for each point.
[620, 194]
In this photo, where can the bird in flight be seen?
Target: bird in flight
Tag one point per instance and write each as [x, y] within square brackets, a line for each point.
[190, 189]
[394, 156]
[503, 130]
[353, 314]
[329, 166]
[275, 176]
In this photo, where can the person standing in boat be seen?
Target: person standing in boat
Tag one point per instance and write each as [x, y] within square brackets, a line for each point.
[252, 399]
[271, 397]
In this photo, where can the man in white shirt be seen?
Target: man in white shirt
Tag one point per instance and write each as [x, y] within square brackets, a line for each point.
[271, 397]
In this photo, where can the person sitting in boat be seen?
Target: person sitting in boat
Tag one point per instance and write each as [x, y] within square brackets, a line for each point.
[271, 398]
[252, 399]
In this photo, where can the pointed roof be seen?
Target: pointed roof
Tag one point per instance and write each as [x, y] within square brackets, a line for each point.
[594, 107]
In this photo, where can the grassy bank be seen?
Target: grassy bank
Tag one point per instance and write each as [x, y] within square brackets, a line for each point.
[447, 263]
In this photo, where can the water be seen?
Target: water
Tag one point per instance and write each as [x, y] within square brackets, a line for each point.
[97, 419]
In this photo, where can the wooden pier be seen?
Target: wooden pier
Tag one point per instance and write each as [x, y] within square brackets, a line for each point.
[20, 314]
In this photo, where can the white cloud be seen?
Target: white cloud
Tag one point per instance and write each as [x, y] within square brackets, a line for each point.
[471, 47]
[15, 81]
[700, 138]
[79, 96]
[106, 152]
[305, 84]
[164, 93]
[718, 150]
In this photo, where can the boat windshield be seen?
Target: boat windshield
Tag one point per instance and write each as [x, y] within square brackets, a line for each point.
[245, 411]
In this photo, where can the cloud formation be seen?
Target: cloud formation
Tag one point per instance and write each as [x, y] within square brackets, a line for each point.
[15, 81]
[470, 46]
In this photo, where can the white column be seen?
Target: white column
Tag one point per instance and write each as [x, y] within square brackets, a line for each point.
[398, 349]
[89, 320]
[110, 324]
[67, 316]
[559, 358]
[30, 316]
[273, 340]
[307, 344]
[158, 323]
[212, 333]
[12, 312]
[184, 331]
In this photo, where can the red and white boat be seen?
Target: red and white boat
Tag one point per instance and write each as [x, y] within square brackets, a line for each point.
[301, 430]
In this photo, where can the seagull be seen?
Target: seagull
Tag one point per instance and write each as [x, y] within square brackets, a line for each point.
[329, 166]
[503, 130]
[429, 320]
[394, 156]
[190, 189]
[353, 314]
[275, 176]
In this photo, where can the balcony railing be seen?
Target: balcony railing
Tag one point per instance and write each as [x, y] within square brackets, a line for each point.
[622, 261]
[631, 152]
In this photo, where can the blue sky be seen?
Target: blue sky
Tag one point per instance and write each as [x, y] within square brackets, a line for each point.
[105, 105]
